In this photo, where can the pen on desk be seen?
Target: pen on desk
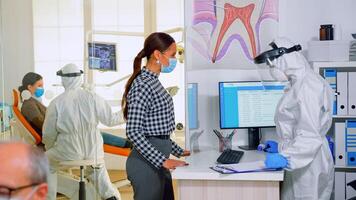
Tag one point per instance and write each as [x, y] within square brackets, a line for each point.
[217, 133]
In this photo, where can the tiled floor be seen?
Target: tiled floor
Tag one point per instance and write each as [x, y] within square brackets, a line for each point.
[126, 192]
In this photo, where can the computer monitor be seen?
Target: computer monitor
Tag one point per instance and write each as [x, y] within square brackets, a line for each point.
[102, 56]
[193, 105]
[249, 104]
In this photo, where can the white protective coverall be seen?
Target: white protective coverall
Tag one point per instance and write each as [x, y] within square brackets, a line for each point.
[303, 117]
[70, 132]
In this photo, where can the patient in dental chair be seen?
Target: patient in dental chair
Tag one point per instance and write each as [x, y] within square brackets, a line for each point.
[34, 111]
[32, 108]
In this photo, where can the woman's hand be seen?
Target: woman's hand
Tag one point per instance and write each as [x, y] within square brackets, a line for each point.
[172, 164]
[186, 153]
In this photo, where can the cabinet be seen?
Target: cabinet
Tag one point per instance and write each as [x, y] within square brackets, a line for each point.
[345, 173]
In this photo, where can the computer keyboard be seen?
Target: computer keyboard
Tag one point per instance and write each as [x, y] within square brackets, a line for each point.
[230, 156]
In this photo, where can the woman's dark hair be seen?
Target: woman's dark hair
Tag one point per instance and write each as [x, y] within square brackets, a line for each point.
[155, 41]
[29, 79]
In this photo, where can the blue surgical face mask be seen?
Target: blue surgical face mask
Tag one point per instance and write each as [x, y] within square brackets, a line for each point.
[39, 92]
[172, 65]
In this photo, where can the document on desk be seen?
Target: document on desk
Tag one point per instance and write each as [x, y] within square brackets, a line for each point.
[257, 166]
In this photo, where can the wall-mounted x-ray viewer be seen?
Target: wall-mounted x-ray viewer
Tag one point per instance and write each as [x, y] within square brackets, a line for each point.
[249, 105]
[102, 56]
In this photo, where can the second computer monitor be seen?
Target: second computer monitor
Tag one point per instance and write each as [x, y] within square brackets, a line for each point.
[193, 105]
[248, 104]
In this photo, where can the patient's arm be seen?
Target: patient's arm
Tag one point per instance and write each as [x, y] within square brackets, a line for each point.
[116, 141]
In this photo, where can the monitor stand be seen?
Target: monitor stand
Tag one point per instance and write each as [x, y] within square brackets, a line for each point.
[253, 139]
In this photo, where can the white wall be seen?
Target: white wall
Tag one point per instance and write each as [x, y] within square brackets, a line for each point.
[300, 19]
[17, 38]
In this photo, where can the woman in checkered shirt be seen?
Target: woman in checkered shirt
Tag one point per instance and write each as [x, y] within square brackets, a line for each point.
[149, 111]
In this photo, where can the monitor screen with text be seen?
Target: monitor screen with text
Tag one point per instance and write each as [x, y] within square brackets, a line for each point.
[248, 104]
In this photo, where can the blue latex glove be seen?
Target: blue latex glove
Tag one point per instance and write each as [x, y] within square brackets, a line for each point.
[271, 146]
[275, 160]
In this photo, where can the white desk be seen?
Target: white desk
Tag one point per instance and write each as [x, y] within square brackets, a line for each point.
[198, 182]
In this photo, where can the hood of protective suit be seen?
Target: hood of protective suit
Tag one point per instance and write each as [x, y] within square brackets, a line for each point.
[293, 64]
[70, 83]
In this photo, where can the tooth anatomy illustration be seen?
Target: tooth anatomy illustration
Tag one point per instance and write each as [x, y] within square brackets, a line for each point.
[231, 14]
[214, 23]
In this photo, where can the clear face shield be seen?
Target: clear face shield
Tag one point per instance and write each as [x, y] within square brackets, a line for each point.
[263, 75]
[266, 62]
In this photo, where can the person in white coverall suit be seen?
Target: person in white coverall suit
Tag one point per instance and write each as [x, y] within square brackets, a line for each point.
[70, 131]
[303, 117]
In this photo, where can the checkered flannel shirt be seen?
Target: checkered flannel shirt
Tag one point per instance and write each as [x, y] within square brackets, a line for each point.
[150, 113]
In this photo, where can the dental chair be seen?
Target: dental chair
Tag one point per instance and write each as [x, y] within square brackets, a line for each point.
[68, 183]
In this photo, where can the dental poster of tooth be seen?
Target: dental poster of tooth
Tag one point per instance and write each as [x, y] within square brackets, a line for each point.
[228, 34]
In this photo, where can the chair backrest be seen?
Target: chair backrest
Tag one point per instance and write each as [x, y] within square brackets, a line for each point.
[117, 150]
[21, 125]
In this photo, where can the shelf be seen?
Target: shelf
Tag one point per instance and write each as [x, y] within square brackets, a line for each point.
[345, 168]
[334, 64]
[344, 116]
[317, 65]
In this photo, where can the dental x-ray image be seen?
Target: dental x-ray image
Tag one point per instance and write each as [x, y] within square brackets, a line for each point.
[102, 56]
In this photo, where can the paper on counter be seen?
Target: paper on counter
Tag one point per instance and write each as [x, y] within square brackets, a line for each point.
[257, 166]
[246, 166]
